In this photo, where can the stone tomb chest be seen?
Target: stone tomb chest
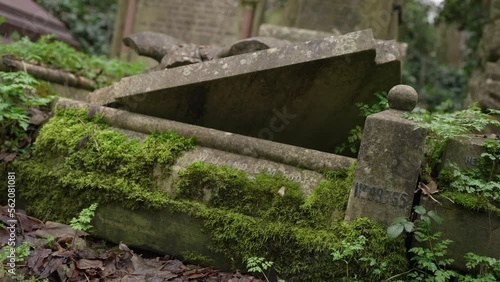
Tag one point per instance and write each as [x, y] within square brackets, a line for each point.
[303, 94]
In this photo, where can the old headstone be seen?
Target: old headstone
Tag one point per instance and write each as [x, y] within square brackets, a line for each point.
[381, 16]
[465, 151]
[303, 94]
[210, 22]
[389, 161]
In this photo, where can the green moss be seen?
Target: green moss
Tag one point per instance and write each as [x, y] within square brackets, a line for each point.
[196, 258]
[472, 202]
[78, 160]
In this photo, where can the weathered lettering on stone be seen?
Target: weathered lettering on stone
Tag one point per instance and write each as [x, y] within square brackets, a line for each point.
[389, 161]
[464, 151]
[382, 196]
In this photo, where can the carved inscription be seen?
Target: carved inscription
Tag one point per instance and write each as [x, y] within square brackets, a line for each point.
[471, 160]
[381, 195]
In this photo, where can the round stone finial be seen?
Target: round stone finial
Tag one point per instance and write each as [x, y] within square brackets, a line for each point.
[403, 98]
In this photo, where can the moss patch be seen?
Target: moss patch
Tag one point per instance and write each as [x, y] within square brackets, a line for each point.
[79, 160]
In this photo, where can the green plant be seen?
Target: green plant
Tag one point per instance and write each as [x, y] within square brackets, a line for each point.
[353, 252]
[486, 268]
[443, 127]
[17, 94]
[260, 265]
[429, 261]
[57, 54]
[21, 253]
[82, 222]
[90, 22]
[355, 134]
[348, 251]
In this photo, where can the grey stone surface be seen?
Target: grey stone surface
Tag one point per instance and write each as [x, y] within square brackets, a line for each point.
[403, 98]
[386, 175]
[224, 141]
[303, 94]
[292, 33]
[250, 45]
[160, 231]
[465, 151]
[307, 179]
[477, 232]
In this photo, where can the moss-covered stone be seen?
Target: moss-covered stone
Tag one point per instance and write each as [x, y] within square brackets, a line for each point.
[79, 160]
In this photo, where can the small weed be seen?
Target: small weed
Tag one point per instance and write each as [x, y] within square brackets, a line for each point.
[355, 135]
[82, 222]
[260, 265]
[430, 262]
[17, 93]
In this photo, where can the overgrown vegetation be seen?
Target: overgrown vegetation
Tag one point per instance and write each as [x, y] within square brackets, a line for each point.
[12, 255]
[443, 127]
[90, 22]
[60, 55]
[18, 92]
[440, 86]
[429, 258]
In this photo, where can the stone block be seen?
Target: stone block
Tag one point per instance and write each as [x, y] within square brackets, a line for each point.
[302, 95]
[477, 232]
[464, 151]
[388, 166]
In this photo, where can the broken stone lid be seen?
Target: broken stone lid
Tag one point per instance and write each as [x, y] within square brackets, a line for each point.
[402, 98]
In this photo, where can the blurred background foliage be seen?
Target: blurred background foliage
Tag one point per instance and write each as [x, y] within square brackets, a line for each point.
[441, 86]
[90, 22]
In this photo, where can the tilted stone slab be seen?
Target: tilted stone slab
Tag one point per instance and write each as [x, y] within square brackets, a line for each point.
[303, 94]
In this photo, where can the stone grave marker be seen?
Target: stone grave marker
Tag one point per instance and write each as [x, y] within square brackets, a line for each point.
[389, 160]
[382, 16]
[209, 22]
[465, 151]
[303, 94]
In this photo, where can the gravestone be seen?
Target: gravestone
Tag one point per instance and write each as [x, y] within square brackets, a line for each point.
[303, 94]
[382, 16]
[210, 22]
[389, 160]
[464, 151]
